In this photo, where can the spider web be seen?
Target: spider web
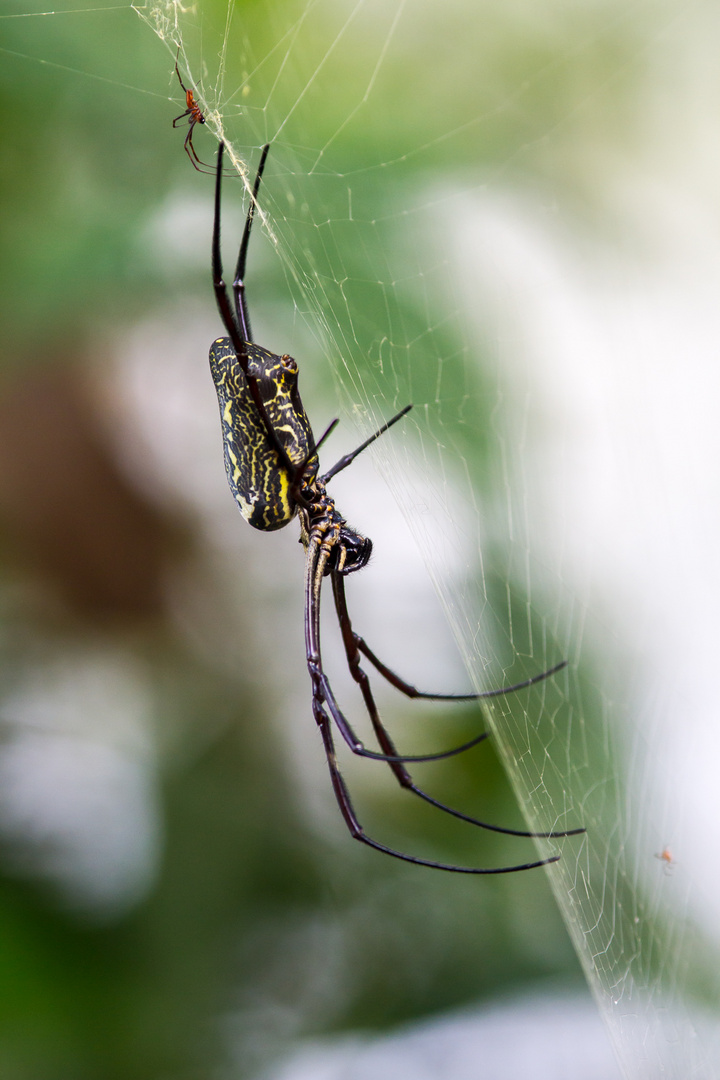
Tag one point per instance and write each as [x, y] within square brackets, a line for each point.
[529, 296]
[507, 216]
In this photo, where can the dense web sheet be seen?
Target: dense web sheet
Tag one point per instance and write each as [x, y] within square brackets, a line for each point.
[535, 269]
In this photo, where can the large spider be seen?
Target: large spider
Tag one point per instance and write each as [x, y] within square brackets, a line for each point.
[272, 467]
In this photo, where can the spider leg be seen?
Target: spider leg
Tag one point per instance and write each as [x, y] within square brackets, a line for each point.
[351, 642]
[360, 645]
[231, 323]
[318, 443]
[321, 683]
[395, 680]
[349, 458]
[342, 797]
[412, 691]
[197, 162]
[317, 557]
[241, 310]
[177, 71]
[190, 148]
[361, 750]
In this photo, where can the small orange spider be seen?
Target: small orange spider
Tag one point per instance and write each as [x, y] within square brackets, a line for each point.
[194, 112]
[666, 859]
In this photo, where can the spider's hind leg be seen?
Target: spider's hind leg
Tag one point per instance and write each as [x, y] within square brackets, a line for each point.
[353, 645]
[342, 796]
[322, 696]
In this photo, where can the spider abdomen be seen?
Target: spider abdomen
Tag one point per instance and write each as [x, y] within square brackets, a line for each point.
[259, 480]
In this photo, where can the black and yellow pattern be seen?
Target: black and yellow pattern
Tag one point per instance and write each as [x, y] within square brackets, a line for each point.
[258, 478]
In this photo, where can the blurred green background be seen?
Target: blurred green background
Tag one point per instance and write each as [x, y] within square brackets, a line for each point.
[178, 894]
